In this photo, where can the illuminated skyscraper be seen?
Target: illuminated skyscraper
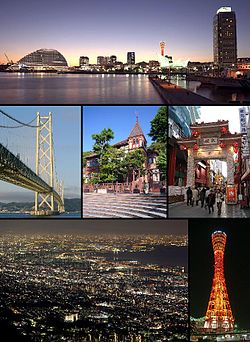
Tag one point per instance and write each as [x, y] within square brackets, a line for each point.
[219, 317]
[224, 38]
[131, 58]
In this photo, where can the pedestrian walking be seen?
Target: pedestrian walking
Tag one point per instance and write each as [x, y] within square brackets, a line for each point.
[202, 196]
[211, 201]
[195, 196]
[189, 196]
[220, 199]
[206, 197]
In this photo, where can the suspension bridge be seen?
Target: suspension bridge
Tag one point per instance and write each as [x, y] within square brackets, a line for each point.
[41, 178]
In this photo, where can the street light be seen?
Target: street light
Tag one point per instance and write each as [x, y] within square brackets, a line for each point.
[170, 61]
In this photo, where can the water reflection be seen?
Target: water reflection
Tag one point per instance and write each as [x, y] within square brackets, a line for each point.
[217, 95]
[43, 88]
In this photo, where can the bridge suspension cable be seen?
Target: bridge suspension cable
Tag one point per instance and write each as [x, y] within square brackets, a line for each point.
[21, 124]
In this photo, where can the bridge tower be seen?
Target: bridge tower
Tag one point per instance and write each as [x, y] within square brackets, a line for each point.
[45, 203]
[219, 317]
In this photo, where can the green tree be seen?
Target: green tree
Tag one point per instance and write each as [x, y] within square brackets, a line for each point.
[161, 159]
[111, 165]
[159, 126]
[134, 160]
[102, 140]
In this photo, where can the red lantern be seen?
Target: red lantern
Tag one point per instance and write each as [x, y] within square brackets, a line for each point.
[196, 147]
[222, 145]
[183, 147]
[236, 147]
[195, 134]
[223, 130]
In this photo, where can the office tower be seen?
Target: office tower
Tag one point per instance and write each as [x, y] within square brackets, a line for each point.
[131, 58]
[84, 60]
[224, 38]
[219, 317]
[112, 59]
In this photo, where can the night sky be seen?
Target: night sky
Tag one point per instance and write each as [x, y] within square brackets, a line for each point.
[237, 266]
[175, 227]
[96, 27]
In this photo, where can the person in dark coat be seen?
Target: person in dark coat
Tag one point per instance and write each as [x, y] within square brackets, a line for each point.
[202, 196]
[211, 201]
[189, 196]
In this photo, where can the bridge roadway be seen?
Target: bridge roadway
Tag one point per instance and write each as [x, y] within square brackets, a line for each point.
[13, 170]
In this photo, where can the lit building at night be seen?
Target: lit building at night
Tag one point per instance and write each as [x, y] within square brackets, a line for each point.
[84, 60]
[219, 317]
[224, 38]
[43, 59]
[131, 58]
[101, 60]
[112, 60]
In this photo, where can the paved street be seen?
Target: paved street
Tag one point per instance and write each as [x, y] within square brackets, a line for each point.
[228, 211]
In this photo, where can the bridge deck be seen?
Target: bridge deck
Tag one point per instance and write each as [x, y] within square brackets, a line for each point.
[13, 170]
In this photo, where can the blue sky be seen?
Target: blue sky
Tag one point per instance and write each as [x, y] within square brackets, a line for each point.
[121, 119]
[67, 141]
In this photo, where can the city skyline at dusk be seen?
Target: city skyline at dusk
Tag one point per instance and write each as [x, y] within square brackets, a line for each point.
[92, 30]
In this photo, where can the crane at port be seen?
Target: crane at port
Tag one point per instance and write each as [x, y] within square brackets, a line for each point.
[10, 62]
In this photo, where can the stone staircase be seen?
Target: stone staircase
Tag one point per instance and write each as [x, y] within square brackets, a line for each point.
[124, 206]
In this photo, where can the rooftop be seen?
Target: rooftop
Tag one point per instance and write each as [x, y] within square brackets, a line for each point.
[136, 131]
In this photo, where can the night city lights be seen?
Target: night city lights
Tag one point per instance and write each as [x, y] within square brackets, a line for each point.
[101, 285]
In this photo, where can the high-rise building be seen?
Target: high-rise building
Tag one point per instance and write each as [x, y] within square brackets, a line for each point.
[84, 60]
[101, 60]
[219, 317]
[131, 57]
[112, 59]
[224, 38]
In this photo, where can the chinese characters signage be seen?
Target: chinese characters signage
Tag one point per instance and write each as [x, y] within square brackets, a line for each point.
[210, 141]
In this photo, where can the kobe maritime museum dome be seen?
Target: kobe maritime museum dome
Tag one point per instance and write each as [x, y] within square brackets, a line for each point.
[44, 58]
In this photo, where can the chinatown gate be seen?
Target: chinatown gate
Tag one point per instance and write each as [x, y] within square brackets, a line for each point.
[213, 141]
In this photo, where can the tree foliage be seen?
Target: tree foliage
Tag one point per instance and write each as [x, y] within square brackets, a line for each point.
[158, 130]
[102, 140]
[111, 167]
[161, 159]
[134, 160]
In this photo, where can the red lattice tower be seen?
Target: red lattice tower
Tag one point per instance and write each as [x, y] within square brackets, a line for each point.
[162, 47]
[219, 317]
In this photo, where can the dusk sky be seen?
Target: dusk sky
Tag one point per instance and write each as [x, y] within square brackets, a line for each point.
[66, 136]
[121, 119]
[104, 28]
[174, 227]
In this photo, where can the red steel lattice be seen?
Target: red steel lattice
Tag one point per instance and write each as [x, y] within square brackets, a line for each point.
[219, 317]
